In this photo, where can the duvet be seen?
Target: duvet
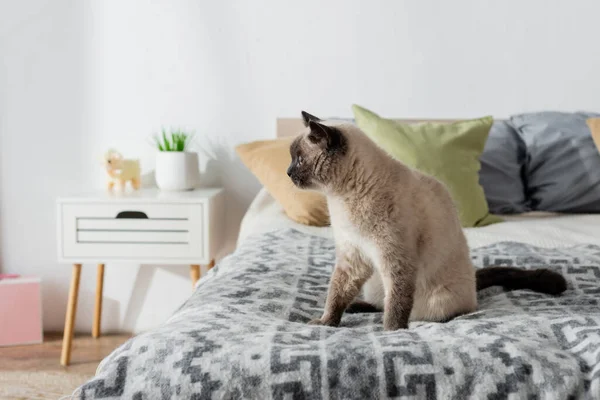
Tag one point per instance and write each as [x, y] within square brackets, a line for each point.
[243, 335]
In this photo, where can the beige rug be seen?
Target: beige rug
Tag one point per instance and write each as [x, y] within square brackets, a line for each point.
[34, 372]
[39, 385]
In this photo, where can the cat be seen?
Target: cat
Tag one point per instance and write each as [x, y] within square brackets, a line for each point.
[397, 233]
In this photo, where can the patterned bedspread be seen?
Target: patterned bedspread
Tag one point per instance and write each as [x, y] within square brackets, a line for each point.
[243, 335]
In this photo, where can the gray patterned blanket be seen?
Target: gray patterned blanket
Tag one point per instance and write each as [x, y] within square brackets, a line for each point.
[242, 335]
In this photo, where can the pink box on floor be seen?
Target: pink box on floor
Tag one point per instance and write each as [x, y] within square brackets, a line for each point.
[20, 310]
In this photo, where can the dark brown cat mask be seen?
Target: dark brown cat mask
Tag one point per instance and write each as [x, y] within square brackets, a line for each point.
[315, 153]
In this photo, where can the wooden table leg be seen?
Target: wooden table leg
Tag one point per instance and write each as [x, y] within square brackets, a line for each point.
[194, 273]
[65, 357]
[98, 306]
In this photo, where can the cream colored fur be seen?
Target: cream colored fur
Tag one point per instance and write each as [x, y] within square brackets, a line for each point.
[397, 233]
[445, 277]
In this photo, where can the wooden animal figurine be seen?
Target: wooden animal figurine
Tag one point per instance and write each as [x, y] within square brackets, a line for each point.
[121, 170]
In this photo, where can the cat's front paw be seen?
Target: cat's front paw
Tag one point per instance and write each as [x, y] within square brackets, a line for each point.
[317, 321]
[394, 325]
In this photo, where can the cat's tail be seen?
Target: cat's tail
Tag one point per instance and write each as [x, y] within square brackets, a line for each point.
[539, 280]
[360, 306]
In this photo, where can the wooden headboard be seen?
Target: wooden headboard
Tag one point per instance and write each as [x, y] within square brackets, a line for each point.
[292, 126]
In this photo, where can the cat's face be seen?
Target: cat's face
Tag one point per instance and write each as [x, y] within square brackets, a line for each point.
[316, 154]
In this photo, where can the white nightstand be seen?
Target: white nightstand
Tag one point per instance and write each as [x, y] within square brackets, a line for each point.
[142, 227]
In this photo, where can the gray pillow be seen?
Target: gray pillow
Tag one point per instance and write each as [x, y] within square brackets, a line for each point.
[502, 168]
[562, 171]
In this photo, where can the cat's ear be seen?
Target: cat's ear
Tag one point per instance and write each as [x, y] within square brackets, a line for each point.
[326, 137]
[306, 117]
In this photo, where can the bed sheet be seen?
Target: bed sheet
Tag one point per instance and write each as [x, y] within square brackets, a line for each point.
[548, 230]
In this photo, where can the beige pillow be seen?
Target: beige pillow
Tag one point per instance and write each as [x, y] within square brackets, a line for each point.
[594, 124]
[268, 160]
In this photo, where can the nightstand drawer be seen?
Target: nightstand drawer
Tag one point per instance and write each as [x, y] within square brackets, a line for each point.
[116, 236]
[132, 231]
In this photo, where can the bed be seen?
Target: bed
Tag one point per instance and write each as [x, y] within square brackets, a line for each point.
[243, 333]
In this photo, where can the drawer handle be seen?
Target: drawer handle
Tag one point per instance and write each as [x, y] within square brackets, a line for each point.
[132, 215]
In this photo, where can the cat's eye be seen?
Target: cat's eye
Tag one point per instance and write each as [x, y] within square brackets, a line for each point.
[299, 160]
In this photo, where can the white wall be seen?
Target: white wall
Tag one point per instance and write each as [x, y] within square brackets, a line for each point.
[79, 76]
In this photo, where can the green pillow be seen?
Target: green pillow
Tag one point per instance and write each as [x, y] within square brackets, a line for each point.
[448, 151]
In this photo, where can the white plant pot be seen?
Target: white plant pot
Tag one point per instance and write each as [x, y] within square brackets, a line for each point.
[176, 170]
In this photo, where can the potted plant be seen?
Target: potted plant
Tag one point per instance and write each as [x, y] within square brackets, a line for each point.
[176, 167]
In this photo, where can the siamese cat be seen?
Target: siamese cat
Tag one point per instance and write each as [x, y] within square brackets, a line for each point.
[397, 233]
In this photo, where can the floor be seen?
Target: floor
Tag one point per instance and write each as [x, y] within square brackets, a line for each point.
[34, 372]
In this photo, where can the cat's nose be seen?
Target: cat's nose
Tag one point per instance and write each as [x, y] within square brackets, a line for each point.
[289, 171]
